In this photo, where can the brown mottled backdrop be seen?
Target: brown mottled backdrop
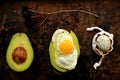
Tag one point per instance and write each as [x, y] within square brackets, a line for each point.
[14, 17]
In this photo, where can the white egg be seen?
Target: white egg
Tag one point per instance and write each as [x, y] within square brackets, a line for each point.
[66, 61]
[103, 42]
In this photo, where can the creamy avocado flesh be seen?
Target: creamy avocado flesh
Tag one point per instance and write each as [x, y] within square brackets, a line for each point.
[19, 54]
[52, 51]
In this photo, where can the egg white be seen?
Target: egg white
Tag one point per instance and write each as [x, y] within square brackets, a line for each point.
[64, 61]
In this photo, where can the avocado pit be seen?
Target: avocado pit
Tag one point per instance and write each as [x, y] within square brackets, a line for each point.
[19, 55]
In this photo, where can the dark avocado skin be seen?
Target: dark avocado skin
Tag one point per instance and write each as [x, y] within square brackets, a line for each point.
[52, 51]
[19, 40]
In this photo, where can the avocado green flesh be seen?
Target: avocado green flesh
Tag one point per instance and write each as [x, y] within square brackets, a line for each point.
[52, 52]
[19, 40]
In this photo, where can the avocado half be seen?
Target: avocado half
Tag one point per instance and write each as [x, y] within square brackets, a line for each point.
[52, 51]
[19, 40]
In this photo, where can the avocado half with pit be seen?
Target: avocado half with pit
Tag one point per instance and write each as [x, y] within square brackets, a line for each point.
[52, 52]
[19, 54]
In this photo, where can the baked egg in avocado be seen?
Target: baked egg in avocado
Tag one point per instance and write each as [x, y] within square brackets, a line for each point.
[64, 50]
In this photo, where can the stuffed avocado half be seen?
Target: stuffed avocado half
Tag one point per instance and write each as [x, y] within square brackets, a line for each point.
[64, 50]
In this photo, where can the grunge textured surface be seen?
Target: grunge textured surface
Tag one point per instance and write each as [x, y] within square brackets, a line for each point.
[16, 17]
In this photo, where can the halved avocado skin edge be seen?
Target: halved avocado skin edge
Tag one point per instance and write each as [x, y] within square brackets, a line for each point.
[52, 51]
[11, 47]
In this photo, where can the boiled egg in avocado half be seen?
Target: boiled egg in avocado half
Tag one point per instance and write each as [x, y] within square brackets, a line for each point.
[64, 50]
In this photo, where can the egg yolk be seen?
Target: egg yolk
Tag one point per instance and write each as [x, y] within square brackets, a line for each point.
[66, 46]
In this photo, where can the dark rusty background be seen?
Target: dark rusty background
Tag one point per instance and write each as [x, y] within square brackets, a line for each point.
[14, 17]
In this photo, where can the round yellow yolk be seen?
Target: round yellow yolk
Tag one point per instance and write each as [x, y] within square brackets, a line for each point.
[66, 46]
